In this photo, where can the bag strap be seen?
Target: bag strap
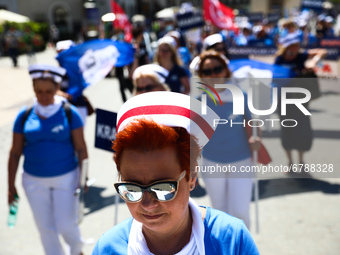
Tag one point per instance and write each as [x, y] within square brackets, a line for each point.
[67, 109]
[26, 114]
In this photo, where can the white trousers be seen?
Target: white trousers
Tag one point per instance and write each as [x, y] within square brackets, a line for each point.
[55, 210]
[230, 193]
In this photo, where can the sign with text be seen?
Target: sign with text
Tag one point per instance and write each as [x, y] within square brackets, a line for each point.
[254, 17]
[315, 5]
[105, 129]
[189, 20]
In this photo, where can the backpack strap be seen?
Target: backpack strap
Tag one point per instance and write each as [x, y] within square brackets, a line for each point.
[67, 109]
[27, 112]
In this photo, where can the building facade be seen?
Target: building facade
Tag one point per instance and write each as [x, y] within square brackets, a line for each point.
[72, 17]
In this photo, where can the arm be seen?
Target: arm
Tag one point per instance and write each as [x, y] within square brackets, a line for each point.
[314, 56]
[79, 144]
[13, 162]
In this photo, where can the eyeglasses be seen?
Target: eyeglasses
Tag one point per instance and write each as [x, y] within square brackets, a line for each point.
[146, 88]
[210, 71]
[162, 191]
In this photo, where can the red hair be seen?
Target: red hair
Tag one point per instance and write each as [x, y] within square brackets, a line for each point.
[147, 135]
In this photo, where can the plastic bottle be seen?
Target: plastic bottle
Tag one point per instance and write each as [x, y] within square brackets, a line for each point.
[12, 215]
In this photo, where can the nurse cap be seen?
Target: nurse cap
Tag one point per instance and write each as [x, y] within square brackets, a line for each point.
[167, 39]
[40, 71]
[211, 40]
[170, 109]
[160, 72]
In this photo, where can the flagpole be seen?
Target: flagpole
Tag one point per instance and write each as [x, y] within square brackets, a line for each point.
[254, 85]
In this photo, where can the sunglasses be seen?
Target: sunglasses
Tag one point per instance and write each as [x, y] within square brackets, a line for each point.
[162, 191]
[215, 70]
[290, 53]
[146, 88]
[164, 50]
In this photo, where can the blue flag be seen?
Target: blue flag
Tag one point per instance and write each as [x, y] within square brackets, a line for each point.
[281, 75]
[90, 62]
[277, 70]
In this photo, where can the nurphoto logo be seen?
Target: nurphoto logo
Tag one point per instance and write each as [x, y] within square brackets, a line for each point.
[238, 101]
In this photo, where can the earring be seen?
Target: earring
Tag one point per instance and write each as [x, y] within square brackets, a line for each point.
[192, 187]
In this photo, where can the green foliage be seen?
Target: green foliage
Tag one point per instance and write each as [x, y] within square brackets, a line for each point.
[36, 36]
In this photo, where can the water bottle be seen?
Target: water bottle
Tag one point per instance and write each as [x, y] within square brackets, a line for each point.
[12, 215]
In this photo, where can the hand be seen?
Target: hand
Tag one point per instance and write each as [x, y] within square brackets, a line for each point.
[64, 94]
[255, 143]
[11, 195]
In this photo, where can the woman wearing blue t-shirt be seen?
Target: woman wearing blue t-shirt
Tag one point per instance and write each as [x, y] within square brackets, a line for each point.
[50, 136]
[229, 147]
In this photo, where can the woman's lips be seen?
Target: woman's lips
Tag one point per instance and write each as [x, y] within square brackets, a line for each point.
[152, 217]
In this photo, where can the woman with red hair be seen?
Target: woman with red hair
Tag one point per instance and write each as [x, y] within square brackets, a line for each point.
[157, 146]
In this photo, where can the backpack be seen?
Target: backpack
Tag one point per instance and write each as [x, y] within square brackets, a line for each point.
[65, 105]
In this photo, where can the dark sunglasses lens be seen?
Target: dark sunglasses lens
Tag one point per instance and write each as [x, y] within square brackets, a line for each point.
[130, 193]
[164, 191]
[207, 72]
[147, 88]
[218, 69]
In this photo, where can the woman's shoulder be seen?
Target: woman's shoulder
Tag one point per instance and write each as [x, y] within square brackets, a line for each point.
[217, 219]
[23, 114]
[226, 234]
[115, 240]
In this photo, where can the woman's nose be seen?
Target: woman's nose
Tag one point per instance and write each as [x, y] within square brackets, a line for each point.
[148, 201]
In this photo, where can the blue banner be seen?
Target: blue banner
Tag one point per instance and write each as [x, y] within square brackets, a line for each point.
[105, 129]
[244, 51]
[315, 5]
[277, 71]
[90, 62]
[254, 17]
[189, 20]
[274, 17]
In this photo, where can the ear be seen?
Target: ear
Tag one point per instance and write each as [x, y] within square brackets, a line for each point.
[57, 85]
[192, 181]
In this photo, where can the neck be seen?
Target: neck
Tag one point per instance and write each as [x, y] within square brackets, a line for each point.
[167, 64]
[158, 243]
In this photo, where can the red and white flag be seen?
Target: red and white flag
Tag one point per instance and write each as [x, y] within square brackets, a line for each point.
[218, 14]
[122, 20]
